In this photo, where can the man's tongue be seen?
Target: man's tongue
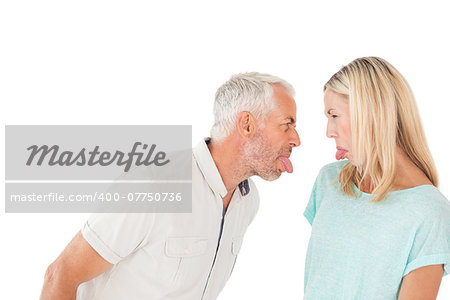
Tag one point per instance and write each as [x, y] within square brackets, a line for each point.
[287, 165]
[340, 154]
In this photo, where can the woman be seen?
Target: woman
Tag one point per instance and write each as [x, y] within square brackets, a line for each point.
[380, 226]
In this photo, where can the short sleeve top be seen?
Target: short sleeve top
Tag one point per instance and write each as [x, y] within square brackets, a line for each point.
[361, 249]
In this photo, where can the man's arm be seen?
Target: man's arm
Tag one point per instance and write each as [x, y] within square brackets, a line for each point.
[422, 283]
[78, 263]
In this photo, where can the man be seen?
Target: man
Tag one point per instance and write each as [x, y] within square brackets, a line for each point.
[190, 255]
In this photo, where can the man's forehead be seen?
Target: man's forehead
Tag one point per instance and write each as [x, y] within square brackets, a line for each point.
[279, 89]
[286, 105]
[284, 115]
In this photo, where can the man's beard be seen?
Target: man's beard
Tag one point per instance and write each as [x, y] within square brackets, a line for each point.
[259, 157]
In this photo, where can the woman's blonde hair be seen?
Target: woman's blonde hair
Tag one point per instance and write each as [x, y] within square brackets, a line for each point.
[383, 115]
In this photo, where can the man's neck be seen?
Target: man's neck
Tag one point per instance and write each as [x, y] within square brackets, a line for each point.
[227, 158]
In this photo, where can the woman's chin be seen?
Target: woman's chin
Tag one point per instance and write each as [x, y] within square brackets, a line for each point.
[349, 157]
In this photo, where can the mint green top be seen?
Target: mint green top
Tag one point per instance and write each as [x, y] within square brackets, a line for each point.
[361, 250]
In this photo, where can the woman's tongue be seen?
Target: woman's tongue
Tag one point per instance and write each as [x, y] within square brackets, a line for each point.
[286, 163]
[340, 154]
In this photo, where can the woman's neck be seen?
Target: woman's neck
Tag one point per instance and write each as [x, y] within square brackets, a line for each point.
[407, 176]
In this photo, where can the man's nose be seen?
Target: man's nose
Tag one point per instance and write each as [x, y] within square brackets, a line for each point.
[295, 139]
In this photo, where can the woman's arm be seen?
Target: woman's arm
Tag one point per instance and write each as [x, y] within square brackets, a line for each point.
[422, 283]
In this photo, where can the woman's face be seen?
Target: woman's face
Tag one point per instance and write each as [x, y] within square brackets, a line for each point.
[337, 111]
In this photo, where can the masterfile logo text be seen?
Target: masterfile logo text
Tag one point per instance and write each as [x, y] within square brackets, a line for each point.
[106, 168]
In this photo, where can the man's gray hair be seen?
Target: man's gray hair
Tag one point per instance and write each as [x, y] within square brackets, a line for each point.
[250, 92]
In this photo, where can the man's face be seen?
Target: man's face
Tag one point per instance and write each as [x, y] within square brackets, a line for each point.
[268, 152]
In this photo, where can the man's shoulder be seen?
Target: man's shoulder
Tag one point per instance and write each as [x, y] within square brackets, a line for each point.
[253, 187]
[254, 194]
[251, 200]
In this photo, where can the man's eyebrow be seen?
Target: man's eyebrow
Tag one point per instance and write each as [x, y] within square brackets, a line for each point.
[329, 111]
[291, 120]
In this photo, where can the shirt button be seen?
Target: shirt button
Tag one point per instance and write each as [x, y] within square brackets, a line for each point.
[186, 250]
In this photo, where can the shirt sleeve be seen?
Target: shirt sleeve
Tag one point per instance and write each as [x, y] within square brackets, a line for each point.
[116, 235]
[311, 208]
[431, 244]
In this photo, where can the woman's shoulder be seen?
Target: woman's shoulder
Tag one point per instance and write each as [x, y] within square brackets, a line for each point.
[328, 174]
[333, 169]
[425, 202]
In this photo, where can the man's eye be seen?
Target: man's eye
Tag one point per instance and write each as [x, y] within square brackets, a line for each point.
[334, 116]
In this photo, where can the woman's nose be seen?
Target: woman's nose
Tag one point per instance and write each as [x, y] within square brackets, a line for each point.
[331, 133]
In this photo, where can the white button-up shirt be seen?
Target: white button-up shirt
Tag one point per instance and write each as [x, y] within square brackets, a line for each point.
[173, 255]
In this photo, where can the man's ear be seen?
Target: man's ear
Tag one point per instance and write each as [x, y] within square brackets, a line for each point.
[246, 124]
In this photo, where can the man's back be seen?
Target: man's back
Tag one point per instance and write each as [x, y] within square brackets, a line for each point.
[173, 255]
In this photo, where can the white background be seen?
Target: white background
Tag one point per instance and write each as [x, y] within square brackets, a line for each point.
[160, 62]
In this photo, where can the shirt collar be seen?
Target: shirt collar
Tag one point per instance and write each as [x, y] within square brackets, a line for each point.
[244, 187]
[210, 172]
